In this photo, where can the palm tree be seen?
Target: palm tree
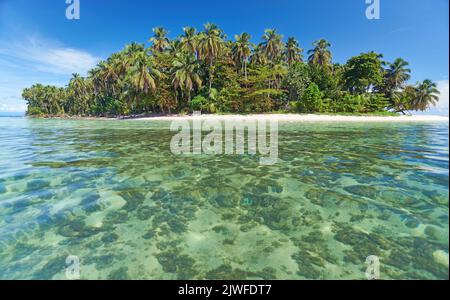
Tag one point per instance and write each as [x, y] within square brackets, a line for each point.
[321, 54]
[185, 74]
[189, 40]
[97, 82]
[426, 95]
[278, 72]
[159, 39]
[241, 51]
[293, 52]
[258, 56]
[210, 47]
[142, 75]
[175, 47]
[272, 45]
[396, 76]
[133, 48]
[78, 101]
[401, 100]
[110, 72]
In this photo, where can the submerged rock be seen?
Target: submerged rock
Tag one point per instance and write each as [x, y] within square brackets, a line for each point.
[77, 228]
[37, 184]
[51, 268]
[149, 234]
[226, 272]
[109, 238]
[94, 244]
[224, 200]
[362, 190]
[363, 244]
[145, 213]
[324, 198]
[412, 223]
[399, 259]
[134, 199]
[91, 203]
[177, 174]
[268, 273]
[2, 188]
[423, 257]
[22, 250]
[159, 194]
[432, 232]
[119, 274]
[103, 261]
[116, 217]
[221, 229]
[307, 265]
[173, 262]
[176, 225]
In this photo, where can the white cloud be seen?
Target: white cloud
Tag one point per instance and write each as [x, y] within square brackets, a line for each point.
[13, 106]
[442, 107]
[47, 56]
[36, 60]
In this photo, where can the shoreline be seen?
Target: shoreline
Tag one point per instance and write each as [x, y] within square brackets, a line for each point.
[300, 118]
[278, 117]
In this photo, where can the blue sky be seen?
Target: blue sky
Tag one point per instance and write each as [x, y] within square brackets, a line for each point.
[38, 43]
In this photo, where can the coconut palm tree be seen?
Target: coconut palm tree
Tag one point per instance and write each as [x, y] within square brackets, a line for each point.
[258, 57]
[34, 103]
[210, 47]
[272, 44]
[396, 76]
[241, 51]
[110, 73]
[321, 54]
[189, 40]
[78, 95]
[171, 70]
[185, 74]
[293, 52]
[426, 95]
[49, 100]
[133, 48]
[175, 47]
[159, 39]
[142, 75]
[97, 83]
[401, 100]
[278, 72]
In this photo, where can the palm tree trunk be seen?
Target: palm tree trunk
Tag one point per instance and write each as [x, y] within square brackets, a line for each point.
[245, 69]
[210, 76]
[210, 83]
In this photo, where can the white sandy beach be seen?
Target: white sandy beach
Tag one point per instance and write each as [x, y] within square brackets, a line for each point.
[305, 118]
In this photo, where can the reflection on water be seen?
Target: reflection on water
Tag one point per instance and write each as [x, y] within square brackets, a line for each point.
[111, 193]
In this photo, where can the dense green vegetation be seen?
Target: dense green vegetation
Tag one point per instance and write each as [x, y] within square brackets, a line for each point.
[206, 71]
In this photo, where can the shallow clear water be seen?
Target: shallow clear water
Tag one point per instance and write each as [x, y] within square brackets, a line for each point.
[111, 193]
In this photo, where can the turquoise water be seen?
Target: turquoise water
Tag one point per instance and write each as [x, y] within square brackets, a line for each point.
[112, 193]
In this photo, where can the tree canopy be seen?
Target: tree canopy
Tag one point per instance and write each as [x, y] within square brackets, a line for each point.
[206, 70]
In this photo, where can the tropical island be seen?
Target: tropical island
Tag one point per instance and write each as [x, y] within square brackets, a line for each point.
[111, 199]
[205, 71]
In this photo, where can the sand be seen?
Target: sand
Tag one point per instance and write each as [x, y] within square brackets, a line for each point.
[306, 118]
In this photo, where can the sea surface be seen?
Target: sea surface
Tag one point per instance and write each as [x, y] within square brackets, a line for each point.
[112, 196]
